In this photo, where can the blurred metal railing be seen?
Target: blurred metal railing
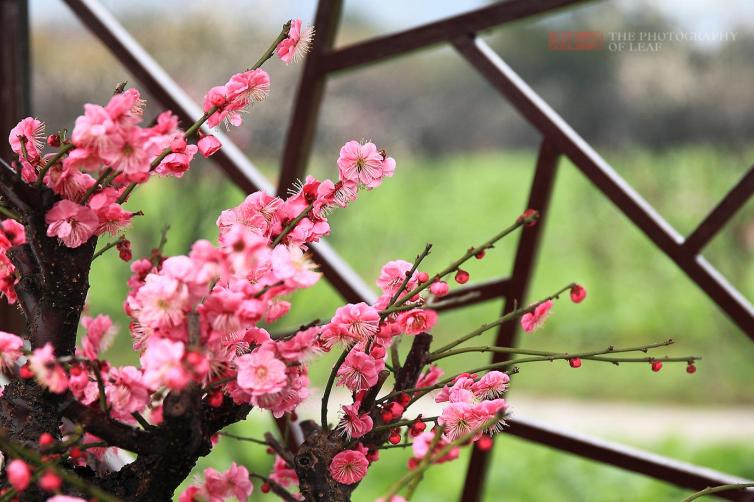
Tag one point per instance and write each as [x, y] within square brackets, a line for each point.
[558, 138]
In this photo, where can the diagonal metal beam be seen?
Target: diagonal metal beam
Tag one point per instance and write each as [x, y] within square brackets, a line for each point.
[399, 44]
[721, 214]
[230, 158]
[540, 195]
[535, 110]
[678, 473]
[311, 88]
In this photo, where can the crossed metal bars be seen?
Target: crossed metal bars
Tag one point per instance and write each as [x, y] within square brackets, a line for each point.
[558, 139]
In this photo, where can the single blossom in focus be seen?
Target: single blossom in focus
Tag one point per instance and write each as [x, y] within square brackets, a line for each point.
[491, 385]
[261, 372]
[353, 423]
[295, 46]
[349, 467]
[360, 321]
[71, 223]
[29, 133]
[358, 371]
[533, 320]
[363, 164]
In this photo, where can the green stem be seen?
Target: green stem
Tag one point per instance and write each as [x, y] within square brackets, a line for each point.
[244, 438]
[63, 150]
[507, 317]
[105, 248]
[402, 423]
[717, 489]
[531, 352]
[96, 185]
[456, 264]
[271, 50]
[290, 226]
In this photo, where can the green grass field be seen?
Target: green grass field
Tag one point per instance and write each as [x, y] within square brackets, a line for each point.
[636, 296]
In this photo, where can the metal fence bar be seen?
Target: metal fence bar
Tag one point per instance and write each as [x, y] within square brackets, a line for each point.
[230, 158]
[523, 268]
[604, 177]
[15, 102]
[678, 473]
[721, 214]
[311, 88]
[398, 44]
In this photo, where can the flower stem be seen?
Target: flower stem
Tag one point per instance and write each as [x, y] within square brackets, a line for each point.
[244, 438]
[106, 247]
[328, 387]
[9, 213]
[292, 225]
[271, 50]
[507, 317]
[717, 489]
[63, 150]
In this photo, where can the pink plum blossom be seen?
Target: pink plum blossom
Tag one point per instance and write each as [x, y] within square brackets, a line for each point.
[363, 164]
[349, 467]
[533, 320]
[99, 335]
[10, 350]
[359, 321]
[296, 44]
[353, 423]
[126, 391]
[261, 372]
[162, 364]
[358, 371]
[49, 373]
[19, 474]
[30, 133]
[417, 321]
[71, 223]
[208, 145]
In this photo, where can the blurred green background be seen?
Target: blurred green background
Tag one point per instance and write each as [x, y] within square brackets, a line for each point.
[465, 161]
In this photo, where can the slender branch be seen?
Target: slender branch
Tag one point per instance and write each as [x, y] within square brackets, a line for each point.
[275, 487]
[271, 50]
[507, 317]
[531, 352]
[402, 423]
[63, 151]
[106, 248]
[292, 225]
[409, 274]
[101, 179]
[244, 438]
[279, 449]
[718, 489]
[328, 387]
[467, 256]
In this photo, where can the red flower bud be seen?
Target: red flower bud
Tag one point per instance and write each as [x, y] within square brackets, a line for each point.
[439, 288]
[578, 293]
[373, 455]
[394, 438]
[484, 443]
[50, 482]
[480, 254]
[656, 366]
[386, 416]
[265, 487]
[396, 409]
[378, 352]
[53, 140]
[691, 368]
[575, 362]
[422, 277]
[462, 277]
[76, 453]
[404, 399]
[531, 216]
[215, 399]
[25, 372]
[46, 439]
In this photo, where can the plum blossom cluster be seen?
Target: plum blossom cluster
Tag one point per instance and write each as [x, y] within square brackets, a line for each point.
[12, 234]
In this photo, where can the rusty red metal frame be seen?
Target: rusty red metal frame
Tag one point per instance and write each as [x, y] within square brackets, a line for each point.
[558, 139]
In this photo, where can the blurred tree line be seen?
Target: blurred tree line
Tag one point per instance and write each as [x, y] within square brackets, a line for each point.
[433, 102]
